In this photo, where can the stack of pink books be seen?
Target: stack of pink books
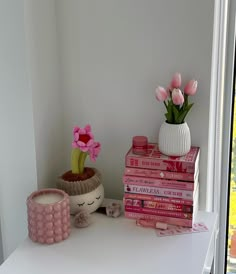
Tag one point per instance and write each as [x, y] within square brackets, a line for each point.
[161, 188]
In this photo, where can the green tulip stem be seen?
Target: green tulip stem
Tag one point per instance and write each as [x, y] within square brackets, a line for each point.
[165, 105]
[75, 160]
[82, 158]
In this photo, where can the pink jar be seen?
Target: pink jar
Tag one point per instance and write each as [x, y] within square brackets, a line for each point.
[140, 144]
[48, 216]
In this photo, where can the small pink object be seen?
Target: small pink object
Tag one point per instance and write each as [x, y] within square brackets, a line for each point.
[48, 216]
[151, 223]
[140, 144]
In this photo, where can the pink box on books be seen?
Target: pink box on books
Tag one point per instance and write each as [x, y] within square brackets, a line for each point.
[154, 159]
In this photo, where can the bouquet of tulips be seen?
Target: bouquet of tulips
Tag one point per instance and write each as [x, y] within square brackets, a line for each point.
[176, 100]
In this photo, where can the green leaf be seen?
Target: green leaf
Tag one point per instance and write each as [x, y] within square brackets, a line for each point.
[176, 114]
[169, 114]
[184, 113]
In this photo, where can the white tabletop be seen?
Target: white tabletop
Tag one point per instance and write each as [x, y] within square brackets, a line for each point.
[116, 246]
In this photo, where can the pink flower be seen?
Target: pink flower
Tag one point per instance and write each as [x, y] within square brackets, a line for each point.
[83, 138]
[176, 81]
[191, 87]
[177, 96]
[94, 151]
[161, 94]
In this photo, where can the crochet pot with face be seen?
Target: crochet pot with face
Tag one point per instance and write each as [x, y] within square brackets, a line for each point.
[88, 202]
[82, 183]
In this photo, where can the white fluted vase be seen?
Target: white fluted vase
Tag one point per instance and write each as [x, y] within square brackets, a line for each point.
[174, 139]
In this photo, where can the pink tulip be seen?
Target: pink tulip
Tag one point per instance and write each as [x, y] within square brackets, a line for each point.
[177, 96]
[168, 90]
[83, 138]
[161, 94]
[94, 151]
[176, 81]
[191, 87]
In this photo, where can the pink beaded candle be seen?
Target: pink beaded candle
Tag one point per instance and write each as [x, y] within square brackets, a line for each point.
[48, 216]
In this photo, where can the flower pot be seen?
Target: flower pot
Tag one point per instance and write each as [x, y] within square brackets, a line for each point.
[174, 139]
[48, 216]
[85, 191]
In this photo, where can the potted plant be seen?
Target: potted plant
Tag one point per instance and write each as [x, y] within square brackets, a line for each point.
[174, 134]
[83, 183]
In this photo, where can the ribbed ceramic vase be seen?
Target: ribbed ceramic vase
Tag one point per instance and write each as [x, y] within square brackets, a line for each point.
[174, 139]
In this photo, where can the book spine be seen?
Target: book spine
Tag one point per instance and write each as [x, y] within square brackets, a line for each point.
[160, 164]
[159, 191]
[158, 205]
[162, 174]
[144, 181]
[163, 219]
[146, 197]
[159, 212]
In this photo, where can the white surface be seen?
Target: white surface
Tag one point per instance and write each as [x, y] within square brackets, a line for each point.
[17, 158]
[116, 245]
[113, 54]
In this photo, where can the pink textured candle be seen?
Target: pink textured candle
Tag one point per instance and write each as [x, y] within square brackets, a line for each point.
[140, 144]
[48, 216]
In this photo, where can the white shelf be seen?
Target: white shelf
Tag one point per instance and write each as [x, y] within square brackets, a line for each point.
[117, 246]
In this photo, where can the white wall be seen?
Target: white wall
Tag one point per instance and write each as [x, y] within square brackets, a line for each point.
[45, 84]
[1, 247]
[17, 157]
[113, 54]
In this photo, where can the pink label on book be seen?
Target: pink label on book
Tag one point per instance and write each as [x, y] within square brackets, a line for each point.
[162, 174]
[159, 212]
[148, 181]
[178, 230]
[153, 159]
[171, 193]
[163, 219]
[158, 199]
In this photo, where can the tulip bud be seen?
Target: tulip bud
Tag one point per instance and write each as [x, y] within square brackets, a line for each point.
[177, 97]
[191, 87]
[176, 81]
[161, 94]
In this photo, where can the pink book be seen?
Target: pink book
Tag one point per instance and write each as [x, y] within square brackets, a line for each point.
[159, 212]
[154, 159]
[147, 181]
[162, 174]
[163, 219]
[157, 199]
[159, 191]
[158, 205]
